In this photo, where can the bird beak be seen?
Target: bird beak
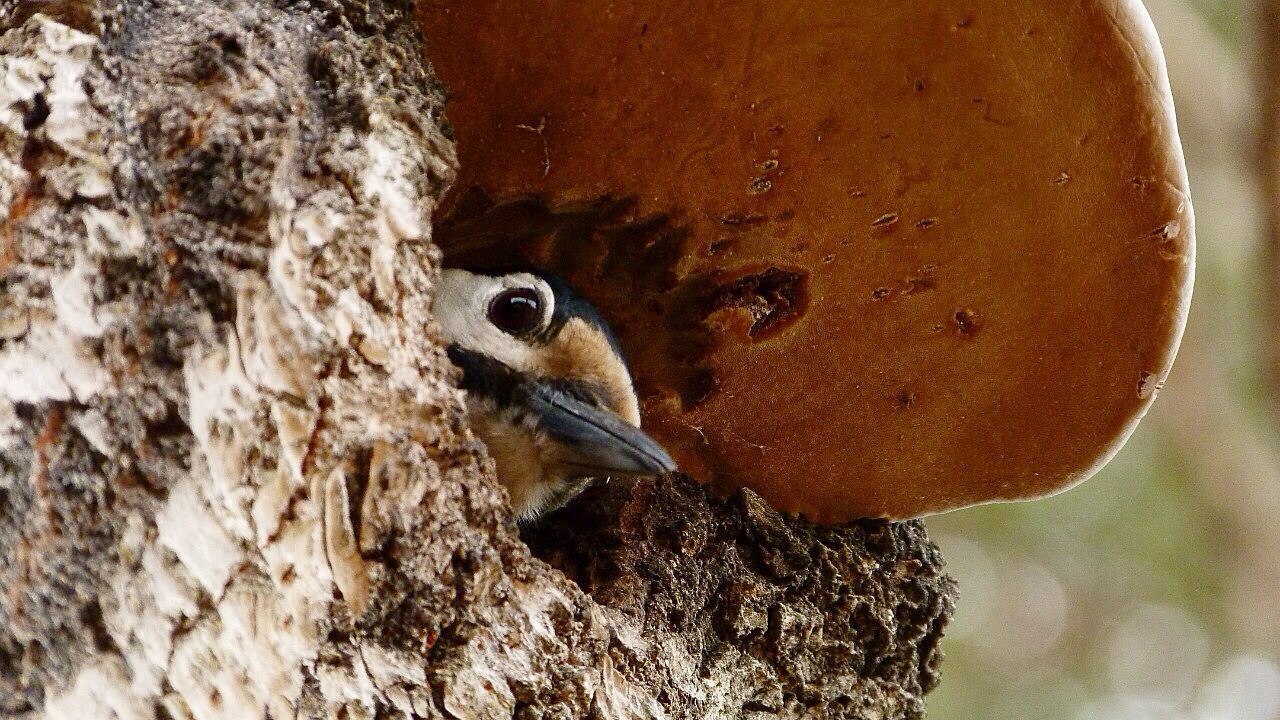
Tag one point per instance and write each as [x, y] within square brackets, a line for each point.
[594, 440]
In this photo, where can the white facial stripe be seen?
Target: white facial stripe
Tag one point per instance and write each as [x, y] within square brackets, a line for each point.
[462, 309]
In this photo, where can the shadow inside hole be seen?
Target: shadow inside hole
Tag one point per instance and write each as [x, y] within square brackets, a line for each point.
[583, 539]
[621, 262]
[630, 266]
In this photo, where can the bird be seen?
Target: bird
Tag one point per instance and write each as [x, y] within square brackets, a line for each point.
[546, 385]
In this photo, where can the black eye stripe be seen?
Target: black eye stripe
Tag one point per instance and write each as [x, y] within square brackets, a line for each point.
[516, 311]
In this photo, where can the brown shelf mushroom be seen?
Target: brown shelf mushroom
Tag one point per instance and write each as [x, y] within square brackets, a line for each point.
[867, 259]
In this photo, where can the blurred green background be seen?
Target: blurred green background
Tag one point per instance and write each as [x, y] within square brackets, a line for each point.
[1153, 590]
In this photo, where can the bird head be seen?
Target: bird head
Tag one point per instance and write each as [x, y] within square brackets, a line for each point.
[548, 389]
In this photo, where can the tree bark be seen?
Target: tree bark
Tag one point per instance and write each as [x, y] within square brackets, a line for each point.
[235, 475]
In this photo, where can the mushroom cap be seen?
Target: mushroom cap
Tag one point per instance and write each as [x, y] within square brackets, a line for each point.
[867, 259]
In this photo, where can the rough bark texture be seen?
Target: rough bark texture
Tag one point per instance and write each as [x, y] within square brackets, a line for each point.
[235, 476]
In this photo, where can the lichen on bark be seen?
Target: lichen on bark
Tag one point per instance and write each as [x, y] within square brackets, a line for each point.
[235, 474]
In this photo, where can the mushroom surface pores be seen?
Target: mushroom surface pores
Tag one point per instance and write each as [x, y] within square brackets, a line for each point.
[866, 258]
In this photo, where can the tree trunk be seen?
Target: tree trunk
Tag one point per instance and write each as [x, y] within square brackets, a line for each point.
[235, 475]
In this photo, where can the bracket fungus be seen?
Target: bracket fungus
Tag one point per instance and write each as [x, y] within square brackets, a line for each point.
[867, 259]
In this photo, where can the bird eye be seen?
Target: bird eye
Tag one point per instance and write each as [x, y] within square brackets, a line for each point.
[516, 311]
